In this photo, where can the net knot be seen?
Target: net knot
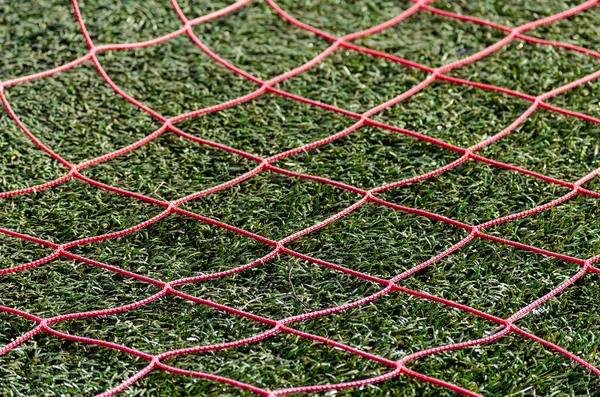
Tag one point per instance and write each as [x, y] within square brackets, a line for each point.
[268, 84]
[155, 361]
[168, 287]
[514, 32]
[93, 51]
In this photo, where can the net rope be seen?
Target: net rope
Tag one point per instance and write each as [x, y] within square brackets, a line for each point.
[399, 367]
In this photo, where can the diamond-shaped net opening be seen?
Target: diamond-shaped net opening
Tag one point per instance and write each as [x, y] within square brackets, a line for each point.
[277, 217]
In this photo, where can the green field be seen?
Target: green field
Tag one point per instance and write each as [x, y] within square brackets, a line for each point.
[79, 116]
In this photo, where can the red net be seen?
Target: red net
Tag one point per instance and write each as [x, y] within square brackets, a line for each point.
[396, 367]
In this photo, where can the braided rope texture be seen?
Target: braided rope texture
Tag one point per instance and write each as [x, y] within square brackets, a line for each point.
[184, 286]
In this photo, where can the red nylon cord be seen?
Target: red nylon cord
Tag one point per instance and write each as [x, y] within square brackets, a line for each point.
[281, 326]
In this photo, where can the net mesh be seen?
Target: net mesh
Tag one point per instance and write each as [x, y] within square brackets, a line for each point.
[284, 326]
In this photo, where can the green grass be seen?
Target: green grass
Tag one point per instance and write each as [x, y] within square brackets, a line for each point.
[541, 371]
[362, 81]
[559, 146]
[185, 167]
[73, 210]
[511, 12]
[78, 115]
[363, 158]
[389, 236]
[274, 205]
[530, 68]
[264, 44]
[283, 123]
[176, 247]
[63, 286]
[507, 277]
[451, 40]
[460, 193]
[458, 114]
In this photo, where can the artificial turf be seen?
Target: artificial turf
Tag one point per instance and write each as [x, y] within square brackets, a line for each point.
[79, 116]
